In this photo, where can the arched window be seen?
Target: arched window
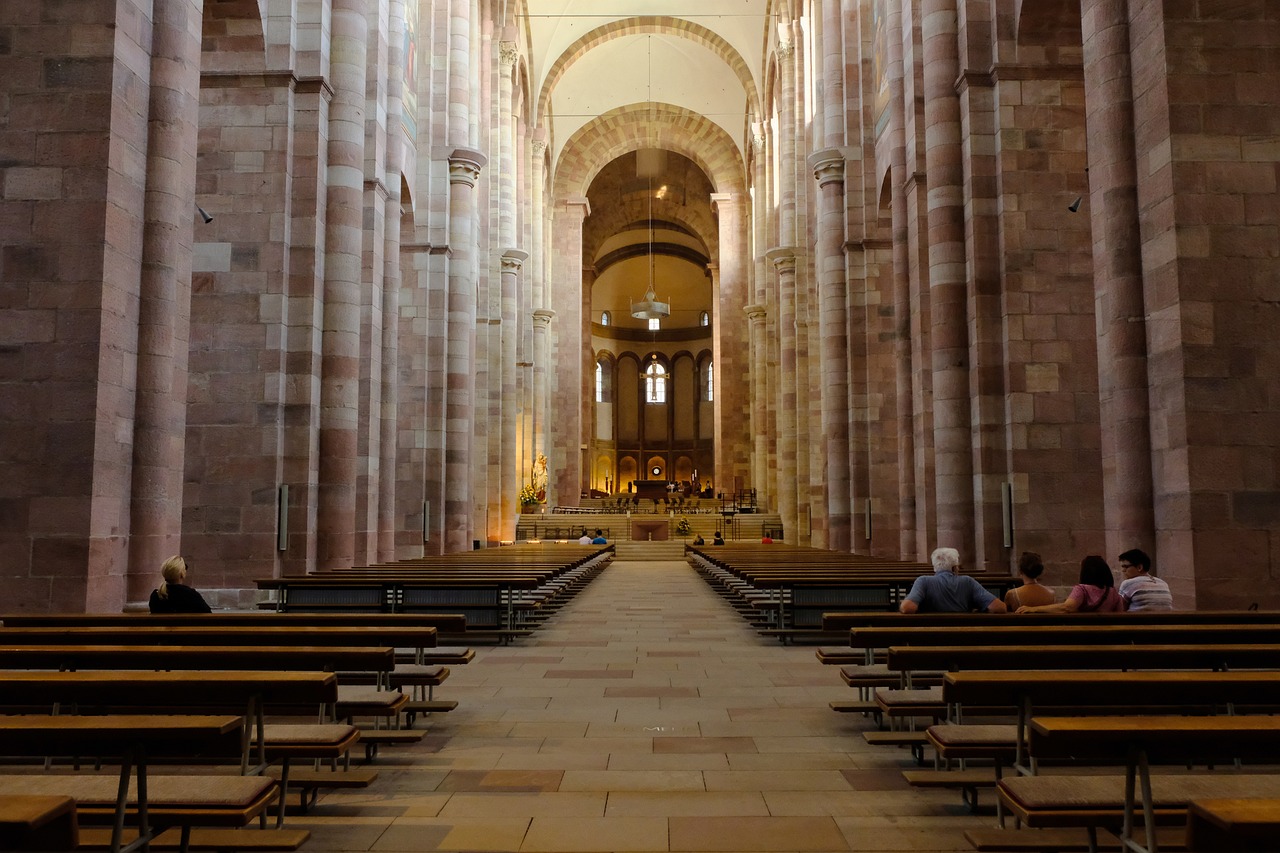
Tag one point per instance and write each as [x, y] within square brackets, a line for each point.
[654, 324]
[655, 383]
[605, 319]
[600, 379]
[710, 398]
[704, 319]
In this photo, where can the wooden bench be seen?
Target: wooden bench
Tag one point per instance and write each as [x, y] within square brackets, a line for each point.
[36, 823]
[134, 740]
[1233, 825]
[253, 694]
[1136, 742]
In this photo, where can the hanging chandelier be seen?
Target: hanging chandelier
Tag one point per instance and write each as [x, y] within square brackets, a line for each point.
[649, 308]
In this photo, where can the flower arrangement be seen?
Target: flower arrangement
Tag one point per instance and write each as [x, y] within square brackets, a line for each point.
[683, 527]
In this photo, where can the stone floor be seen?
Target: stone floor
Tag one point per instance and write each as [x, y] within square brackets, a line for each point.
[646, 716]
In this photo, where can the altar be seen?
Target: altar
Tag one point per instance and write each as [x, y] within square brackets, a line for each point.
[652, 489]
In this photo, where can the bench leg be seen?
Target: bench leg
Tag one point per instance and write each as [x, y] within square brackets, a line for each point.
[284, 790]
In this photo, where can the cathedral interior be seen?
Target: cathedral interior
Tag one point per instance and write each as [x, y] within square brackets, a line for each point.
[288, 285]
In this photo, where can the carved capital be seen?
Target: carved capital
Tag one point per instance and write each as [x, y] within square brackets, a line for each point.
[465, 166]
[828, 166]
[542, 318]
[783, 258]
[538, 146]
[756, 313]
[513, 260]
[508, 53]
[786, 49]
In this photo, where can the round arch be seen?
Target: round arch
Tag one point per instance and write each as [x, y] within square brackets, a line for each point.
[646, 25]
[639, 126]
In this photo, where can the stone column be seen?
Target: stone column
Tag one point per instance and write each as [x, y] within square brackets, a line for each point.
[1124, 404]
[541, 394]
[757, 315]
[564, 460]
[464, 170]
[833, 318]
[783, 259]
[512, 261]
[344, 236]
[901, 284]
[164, 301]
[953, 451]
[731, 347]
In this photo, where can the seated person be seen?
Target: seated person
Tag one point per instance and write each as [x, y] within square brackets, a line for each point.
[173, 595]
[599, 538]
[1032, 593]
[945, 591]
[1095, 593]
[1140, 589]
[717, 539]
[698, 540]
[585, 538]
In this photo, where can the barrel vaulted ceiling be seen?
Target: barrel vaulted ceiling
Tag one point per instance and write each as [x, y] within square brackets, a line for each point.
[590, 57]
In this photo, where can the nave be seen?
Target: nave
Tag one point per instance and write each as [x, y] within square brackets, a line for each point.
[646, 716]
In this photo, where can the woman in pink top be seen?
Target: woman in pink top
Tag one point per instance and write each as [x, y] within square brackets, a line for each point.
[1096, 592]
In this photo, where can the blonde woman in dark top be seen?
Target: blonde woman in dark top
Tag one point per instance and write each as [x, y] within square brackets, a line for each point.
[173, 595]
[1032, 593]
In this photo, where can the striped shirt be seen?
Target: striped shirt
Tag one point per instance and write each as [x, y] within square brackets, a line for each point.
[1146, 592]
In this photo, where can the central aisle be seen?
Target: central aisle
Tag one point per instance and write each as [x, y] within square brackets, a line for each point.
[646, 716]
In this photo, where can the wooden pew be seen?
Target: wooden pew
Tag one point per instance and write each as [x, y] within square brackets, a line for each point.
[35, 823]
[134, 740]
[252, 694]
[1233, 826]
[1135, 742]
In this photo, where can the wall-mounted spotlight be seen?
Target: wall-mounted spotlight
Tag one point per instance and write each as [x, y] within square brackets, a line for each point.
[1074, 207]
[204, 214]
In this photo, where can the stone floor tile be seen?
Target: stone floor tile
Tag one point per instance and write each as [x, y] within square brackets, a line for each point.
[617, 834]
[746, 834]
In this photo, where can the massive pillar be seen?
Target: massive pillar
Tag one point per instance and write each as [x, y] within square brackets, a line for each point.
[344, 235]
[1117, 275]
[730, 348]
[828, 169]
[164, 303]
[542, 316]
[564, 460]
[944, 166]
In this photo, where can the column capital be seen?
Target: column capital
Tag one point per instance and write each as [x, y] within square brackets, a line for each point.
[757, 313]
[783, 258]
[786, 49]
[513, 259]
[538, 146]
[508, 53]
[465, 165]
[828, 165]
[543, 317]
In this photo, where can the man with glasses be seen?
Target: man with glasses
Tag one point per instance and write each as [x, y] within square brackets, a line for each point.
[1140, 589]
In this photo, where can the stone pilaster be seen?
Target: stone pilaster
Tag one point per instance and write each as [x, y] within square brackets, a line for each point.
[512, 261]
[897, 143]
[828, 170]
[784, 260]
[164, 299]
[464, 170]
[344, 237]
[953, 448]
[542, 373]
[1124, 408]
